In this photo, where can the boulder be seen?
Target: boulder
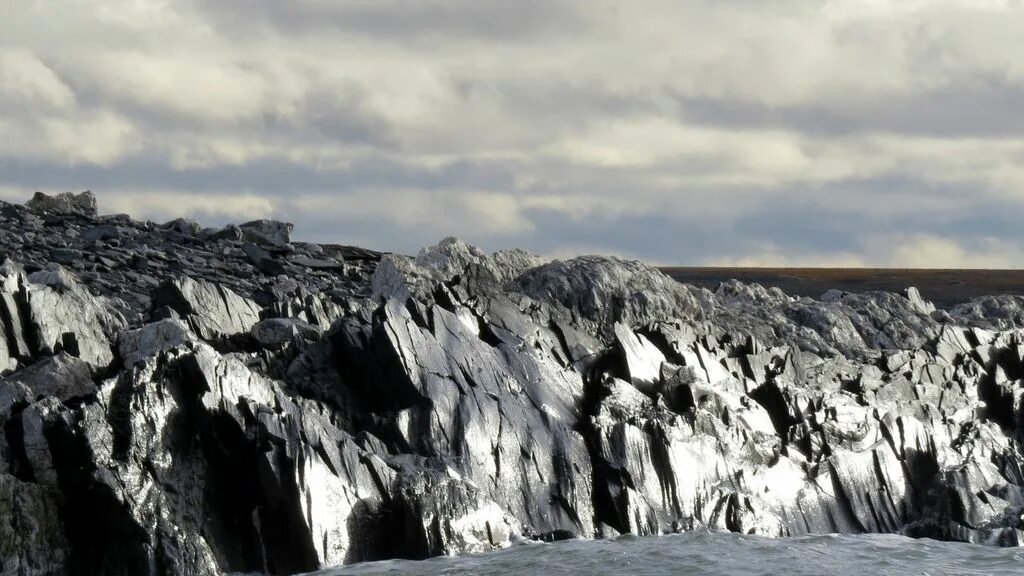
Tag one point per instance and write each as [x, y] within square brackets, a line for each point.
[211, 310]
[83, 203]
[267, 232]
[62, 376]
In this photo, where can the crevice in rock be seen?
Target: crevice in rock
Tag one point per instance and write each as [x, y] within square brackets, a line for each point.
[607, 484]
[119, 416]
[771, 399]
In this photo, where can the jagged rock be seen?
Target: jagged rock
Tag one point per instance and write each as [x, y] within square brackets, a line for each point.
[229, 232]
[270, 411]
[918, 303]
[992, 312]
[101, 233]
[57, 313]
[262, 259]
[317, 263]
[62, 376]
[274, 332]
[270, 232]
[30, 528]
[83, 203]
[609, 290]
[643, 359]
[449, 257]
[855, 325]
[212, 310]
[185, 226]
[400, 276]
[153, 339]
[55, 276]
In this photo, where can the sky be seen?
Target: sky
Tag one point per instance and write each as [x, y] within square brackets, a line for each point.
[717, 132]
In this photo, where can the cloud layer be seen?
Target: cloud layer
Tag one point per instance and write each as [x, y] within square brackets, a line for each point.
[793, 132]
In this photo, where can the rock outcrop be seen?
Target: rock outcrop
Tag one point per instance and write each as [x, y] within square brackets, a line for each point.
[183, 401]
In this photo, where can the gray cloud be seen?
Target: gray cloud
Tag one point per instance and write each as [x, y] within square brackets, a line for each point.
[798, 131]
[980, 107]
[399, 20]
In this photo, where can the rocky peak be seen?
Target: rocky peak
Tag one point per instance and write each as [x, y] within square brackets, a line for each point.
[83, 203]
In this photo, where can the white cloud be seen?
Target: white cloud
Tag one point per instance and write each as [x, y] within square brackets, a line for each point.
[161, 206]
[928, 251]
[474, 117]
[27, 82]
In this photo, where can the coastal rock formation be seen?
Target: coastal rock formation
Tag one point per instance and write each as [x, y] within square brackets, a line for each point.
[176, 400]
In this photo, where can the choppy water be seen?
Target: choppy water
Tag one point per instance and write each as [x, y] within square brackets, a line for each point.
[720, 553]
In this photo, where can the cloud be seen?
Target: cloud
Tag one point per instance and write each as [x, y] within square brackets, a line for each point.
[779, 131]
[162, 206]
[25, 81]
[925, 251]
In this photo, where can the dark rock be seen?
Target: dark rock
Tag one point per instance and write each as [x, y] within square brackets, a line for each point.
[317, 263]
[100, 233]
[262, 260]
[184, 226]
[62, 376]
[229, 232]
[275, 332]
[66, 256]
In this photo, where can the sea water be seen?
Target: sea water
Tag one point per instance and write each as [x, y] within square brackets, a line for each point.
[719, 553]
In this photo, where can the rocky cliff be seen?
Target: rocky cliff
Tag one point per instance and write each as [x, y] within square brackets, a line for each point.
[179, 400]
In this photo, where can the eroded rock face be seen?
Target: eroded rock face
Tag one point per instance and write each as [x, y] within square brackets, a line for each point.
[226, 418]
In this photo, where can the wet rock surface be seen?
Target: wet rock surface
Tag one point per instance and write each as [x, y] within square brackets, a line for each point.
[183, 401]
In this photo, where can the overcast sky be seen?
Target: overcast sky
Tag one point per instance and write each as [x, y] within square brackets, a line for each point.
[753, 132]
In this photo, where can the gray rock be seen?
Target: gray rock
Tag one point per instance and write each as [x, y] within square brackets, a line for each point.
[62, 376]
[468, 400]
[269, 232]
[67, 317]
[609, 290]
[31, 528]
[100, 233]
[83, 203]
[185, 226]
[275, 332]
[212, 310]
[317, 263]
[66, 256]
[262, 260]
[153, 339]
[643, 359]
[229, 232]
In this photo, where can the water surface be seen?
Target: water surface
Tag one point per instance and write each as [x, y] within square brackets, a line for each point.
[719, 553]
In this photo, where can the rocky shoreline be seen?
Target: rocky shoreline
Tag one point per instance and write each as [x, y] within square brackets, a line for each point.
[180, 400]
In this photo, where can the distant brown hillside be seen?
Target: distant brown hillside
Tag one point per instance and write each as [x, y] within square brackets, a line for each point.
[946, 288]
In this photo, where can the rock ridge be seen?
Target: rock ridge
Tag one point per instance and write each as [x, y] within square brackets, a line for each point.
[181, 400]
